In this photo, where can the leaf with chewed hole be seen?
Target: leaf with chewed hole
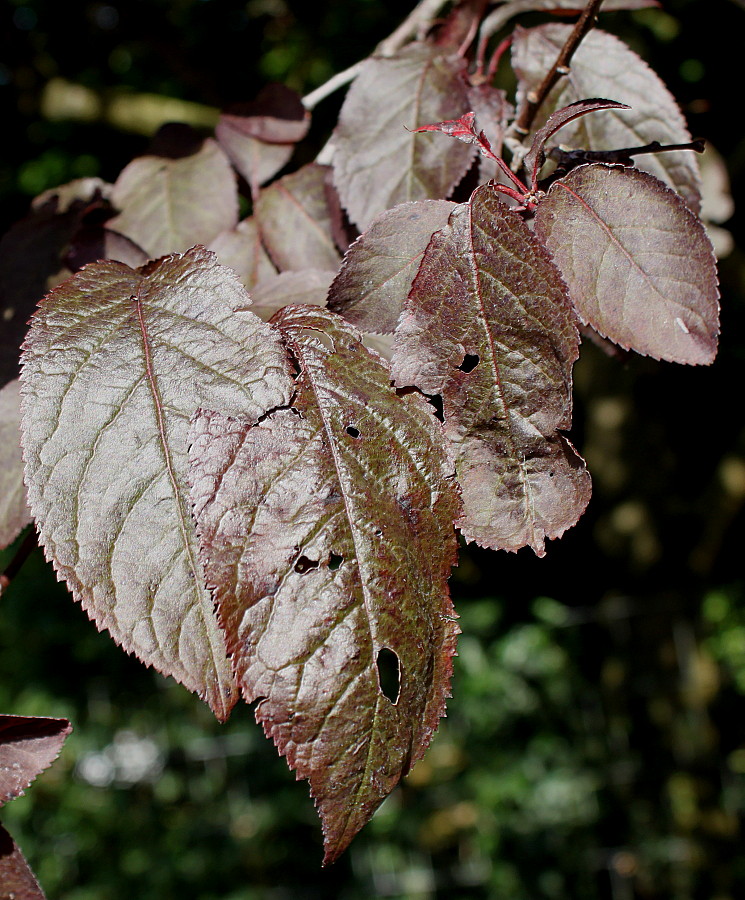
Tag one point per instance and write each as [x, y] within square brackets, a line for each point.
[638, 263]
[379, 267]
[604, 66]
[377, 162]
[116, 362]
[489, 328]
[14, 512]
[169, 204]
[327, 536]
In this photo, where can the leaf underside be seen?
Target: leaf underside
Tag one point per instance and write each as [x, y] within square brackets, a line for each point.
[604, 66]
[167, 205]
[28, 745]
[380, 266]
[116, 362]
[377, 162]
[14, 512]
[639, 266]
[488, 327]
[327, 536]
[17, 881]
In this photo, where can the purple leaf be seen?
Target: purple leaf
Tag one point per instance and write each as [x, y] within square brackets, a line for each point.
[17, 881]
[327, 535]
[379, 267]
[295, 220]
[377, 162]
[242, 250]
[116, 362]
[28, 745]
[92, 243]
[260, 137]
[639, 266]
[308, 286]
[604, 66]
[169, 204]
[536, 155]
[463, 129]
[488, 327]
[14, 513]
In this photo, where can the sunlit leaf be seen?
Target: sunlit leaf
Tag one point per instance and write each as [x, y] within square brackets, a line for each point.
[14, 513]
[377, 162]
[638, 264]
[488, 327]
[327, 534]
[169, 204]
[116, 362]
[379, 267]
[295, 219]
[604, 66]
[17, 881]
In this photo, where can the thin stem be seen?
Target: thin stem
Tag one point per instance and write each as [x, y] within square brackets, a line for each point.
[496, 56]
[28, 545]
[559, 69]
[566, 160]
[333, 84]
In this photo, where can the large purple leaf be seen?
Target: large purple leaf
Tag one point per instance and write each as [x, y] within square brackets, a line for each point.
[604, 66]
[327, 533]
[488, 327]
[17, 881]
[169, 204]
[379, 267]
[28, 745]
[116, 362]
[638, 263]
[259, 137]
[14, 513]
[242, 250]
[295, 220]
[377, 162]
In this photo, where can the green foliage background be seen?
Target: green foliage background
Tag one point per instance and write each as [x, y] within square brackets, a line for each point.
[595, 746]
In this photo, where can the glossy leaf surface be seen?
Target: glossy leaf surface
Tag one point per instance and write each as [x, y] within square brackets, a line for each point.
[14, 512]
[488, 327]
[116, 362]
[379, 267]
[327, 534]
[638, 263]
[377, 162]
[169, 204]
[295, 219]
[604, 66]
[28, 745]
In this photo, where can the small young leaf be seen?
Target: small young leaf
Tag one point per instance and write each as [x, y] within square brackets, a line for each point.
[379, 267]
[169, 204]
[488, 327]
[17, 881]
[294, 217]
[259, 137]
[638, 263]
[604, 66]
[115, 363]
[308, 286]
[28, 745]
[242, 250]
[463, 129]
[14, 512]
[493, 112]
[536, 155]
[377, 162]
[327, 535]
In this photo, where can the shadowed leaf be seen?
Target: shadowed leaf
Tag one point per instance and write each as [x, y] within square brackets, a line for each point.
[379, 267]
[638, 263]
[14, 513]
[28, 745]
[309, 286]
[488, 327]
[116, 362]
[169, 204]
[17, 881]
[242, 250]
[327, 533]
[604, 66]
[377, 162]
[294, 217]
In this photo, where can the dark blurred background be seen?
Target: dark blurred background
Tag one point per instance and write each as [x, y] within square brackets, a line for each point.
[595, 745]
